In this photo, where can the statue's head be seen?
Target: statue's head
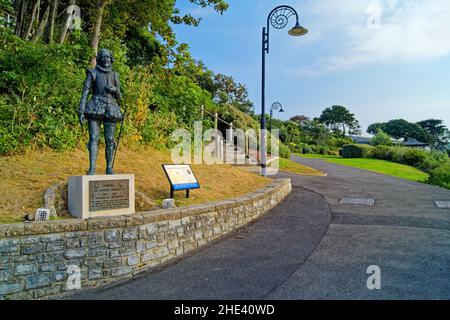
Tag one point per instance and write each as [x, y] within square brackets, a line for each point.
[105, 58]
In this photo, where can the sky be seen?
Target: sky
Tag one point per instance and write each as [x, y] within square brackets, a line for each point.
[382, 59]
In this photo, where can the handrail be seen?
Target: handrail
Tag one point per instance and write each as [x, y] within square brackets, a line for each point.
[218, 118]
[7, 20]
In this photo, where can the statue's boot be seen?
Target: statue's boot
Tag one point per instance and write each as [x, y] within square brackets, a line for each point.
[109, 153]
[93, 153]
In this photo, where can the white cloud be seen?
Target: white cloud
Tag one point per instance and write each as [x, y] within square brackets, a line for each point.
[377, 31]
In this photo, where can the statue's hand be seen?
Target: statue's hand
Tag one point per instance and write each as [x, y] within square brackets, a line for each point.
[82, 119]
[111, 89]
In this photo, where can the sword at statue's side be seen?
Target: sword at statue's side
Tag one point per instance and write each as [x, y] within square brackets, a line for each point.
[121, 131]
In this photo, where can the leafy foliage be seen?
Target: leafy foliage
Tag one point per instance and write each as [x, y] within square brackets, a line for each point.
[381, 139]
[164, 86]
[357, 151]
[439, 132]
[340, 120]
[6, 6]
[440, 176]
[402, 129]
[36, 86]
[421, 159]
[40, 89]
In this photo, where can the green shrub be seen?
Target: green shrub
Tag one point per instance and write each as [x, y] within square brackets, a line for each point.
[433, 160]
[421, 159]
[440, 176]
[325, 150]
[383, 153]
[381, 139]
[357, 151]
[309, 148]
[398, 154]
[338, 142]
[414, 157]
[284, 151]
[40, 89]
[158, 128]
[295, 148]
[8, 143]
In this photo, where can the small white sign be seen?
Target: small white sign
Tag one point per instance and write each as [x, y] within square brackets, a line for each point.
[42, 215]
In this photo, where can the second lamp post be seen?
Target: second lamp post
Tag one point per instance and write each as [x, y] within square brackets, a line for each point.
[277, 107]
[278, 18]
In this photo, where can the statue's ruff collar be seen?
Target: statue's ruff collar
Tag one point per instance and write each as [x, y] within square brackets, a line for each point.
[103, 69]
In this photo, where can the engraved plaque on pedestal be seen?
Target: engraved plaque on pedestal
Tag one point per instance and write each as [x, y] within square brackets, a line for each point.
[108, 195]
[91, 196]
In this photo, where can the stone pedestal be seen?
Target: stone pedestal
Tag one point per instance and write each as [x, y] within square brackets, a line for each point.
[102, 195]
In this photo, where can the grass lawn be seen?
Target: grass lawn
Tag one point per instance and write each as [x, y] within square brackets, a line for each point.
[297, 168]
[26, 177]
[375, 165]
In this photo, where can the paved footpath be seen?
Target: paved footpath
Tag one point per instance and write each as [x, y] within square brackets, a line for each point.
[312, 247]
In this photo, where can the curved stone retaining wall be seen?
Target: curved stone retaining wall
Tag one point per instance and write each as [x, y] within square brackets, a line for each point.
[38, 259]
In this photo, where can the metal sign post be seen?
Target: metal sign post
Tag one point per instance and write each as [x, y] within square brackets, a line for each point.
[181, 178]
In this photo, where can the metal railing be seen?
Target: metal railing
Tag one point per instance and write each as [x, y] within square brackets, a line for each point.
[7, 20]
[216, 118]
[219, 145]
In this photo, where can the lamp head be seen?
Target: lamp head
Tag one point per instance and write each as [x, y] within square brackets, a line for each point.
[298, 30]
[277, 107]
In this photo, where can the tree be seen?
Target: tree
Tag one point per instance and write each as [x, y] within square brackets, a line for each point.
[125, 16]
[226, 91]
[66, 24]
[7, 6]
[20, 10]
[381, 139]
[374, 128]
[313, 132]
[300, 119]
[35, 6]
[439, 132]
[218, 5]
[340, 120]
[116, 18]
[95, 39]
[292, 129]
[164, 85]
[402, 129]
[42, 24]
[52, 21]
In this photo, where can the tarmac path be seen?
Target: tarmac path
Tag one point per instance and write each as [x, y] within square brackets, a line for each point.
[313, 247]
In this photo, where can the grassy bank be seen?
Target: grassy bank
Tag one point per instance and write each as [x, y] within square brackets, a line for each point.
[379, 166]
[297, 168]
[26, 177]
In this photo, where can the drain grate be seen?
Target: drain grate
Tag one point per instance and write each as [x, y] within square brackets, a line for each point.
[358, 202]
[443, 204]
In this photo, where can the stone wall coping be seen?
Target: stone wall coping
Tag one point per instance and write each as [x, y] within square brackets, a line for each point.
[35, 257]
[61, 226]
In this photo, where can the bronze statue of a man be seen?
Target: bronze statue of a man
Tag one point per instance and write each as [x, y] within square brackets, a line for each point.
[102, 108]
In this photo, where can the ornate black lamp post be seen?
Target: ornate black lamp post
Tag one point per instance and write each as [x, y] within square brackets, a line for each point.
[277, 107]
[278, 18]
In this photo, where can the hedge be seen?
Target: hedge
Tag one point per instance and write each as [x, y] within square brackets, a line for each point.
[440, 176]
[357, 151]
